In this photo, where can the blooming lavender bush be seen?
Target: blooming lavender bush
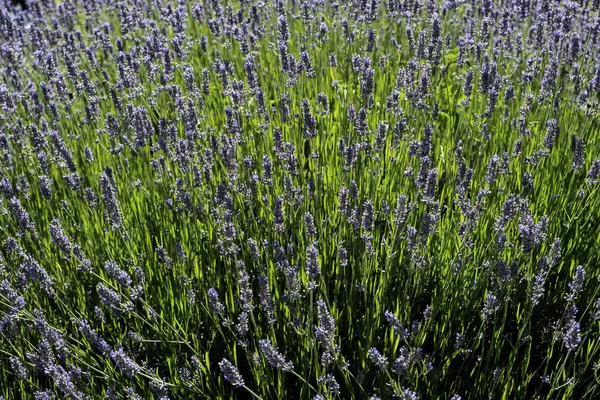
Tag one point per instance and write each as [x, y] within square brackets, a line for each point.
[302, 199]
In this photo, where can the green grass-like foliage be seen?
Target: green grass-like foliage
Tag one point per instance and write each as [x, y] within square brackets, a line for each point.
[300, 200]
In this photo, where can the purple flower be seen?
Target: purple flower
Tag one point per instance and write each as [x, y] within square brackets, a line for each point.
[124, 362]
[216, 307]
[50, 334]
[45, 395]
[278, 214]
[593, 172]
[266, 301]
[396, 325]
[117, 274]
[578, 149]
[343, 256]
[112, 300]
[14, 299]
[34, 271]
[367, 86]
[572, 337]
[164, 257]
[325, 333]
[551, 133]
[21, 215]
[110, 200]
[274, 358]
[376, 358]
[231, 373]
[18, 369]
[306, 62]
[94, 338]
[309, 128]
[246, 293]
[368, 216]
[160, 388]
[309, 224]
[468, 87]
[59, 237]
[242, 325]
[43, 358]
[360, 123]
[577, 283]
[538, 287]
[312, 261]
[492, 170]
[331, 383]
[490, 306]
[408, 394]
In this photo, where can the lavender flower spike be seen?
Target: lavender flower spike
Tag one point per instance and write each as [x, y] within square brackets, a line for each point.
[231, 373]
[274, 358]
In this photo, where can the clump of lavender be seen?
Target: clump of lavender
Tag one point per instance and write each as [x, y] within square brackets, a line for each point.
[164, 257]
[50, 334]
[122, 277]
[313, 268]
[113, 300]
[246, 294]
[96, 90]
[331, 384]
[572, 336]
[538, 287]
[551, 133]
[18, 369]
[576, 285]
[278, 214]
[127, 364]
[368, 217]
[490, 306]
[110, 199]
[43, 358]
[594, 172]
[215, 306]
[596, 314]
[34, 271]
[376, 358]
[9, 324]
[266, 300]
[43, 395]
[45, 186]
[492, 170]
[21, 216]
[532, 234]
[325, 333]
[274, 358]
[309, 129]
[578, 149]
[343, 256]
[309, 224]
[15, 301]
[97, 342]
[59, 237]
[398, 328]
[160, 388]
[407, 394]
[231, 373]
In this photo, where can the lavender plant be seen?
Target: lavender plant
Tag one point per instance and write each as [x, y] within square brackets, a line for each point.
[302, 200]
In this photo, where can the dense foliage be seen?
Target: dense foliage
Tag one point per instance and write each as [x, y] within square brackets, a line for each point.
[306, 199]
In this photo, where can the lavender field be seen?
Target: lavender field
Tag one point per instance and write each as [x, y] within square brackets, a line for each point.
[300, 199]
